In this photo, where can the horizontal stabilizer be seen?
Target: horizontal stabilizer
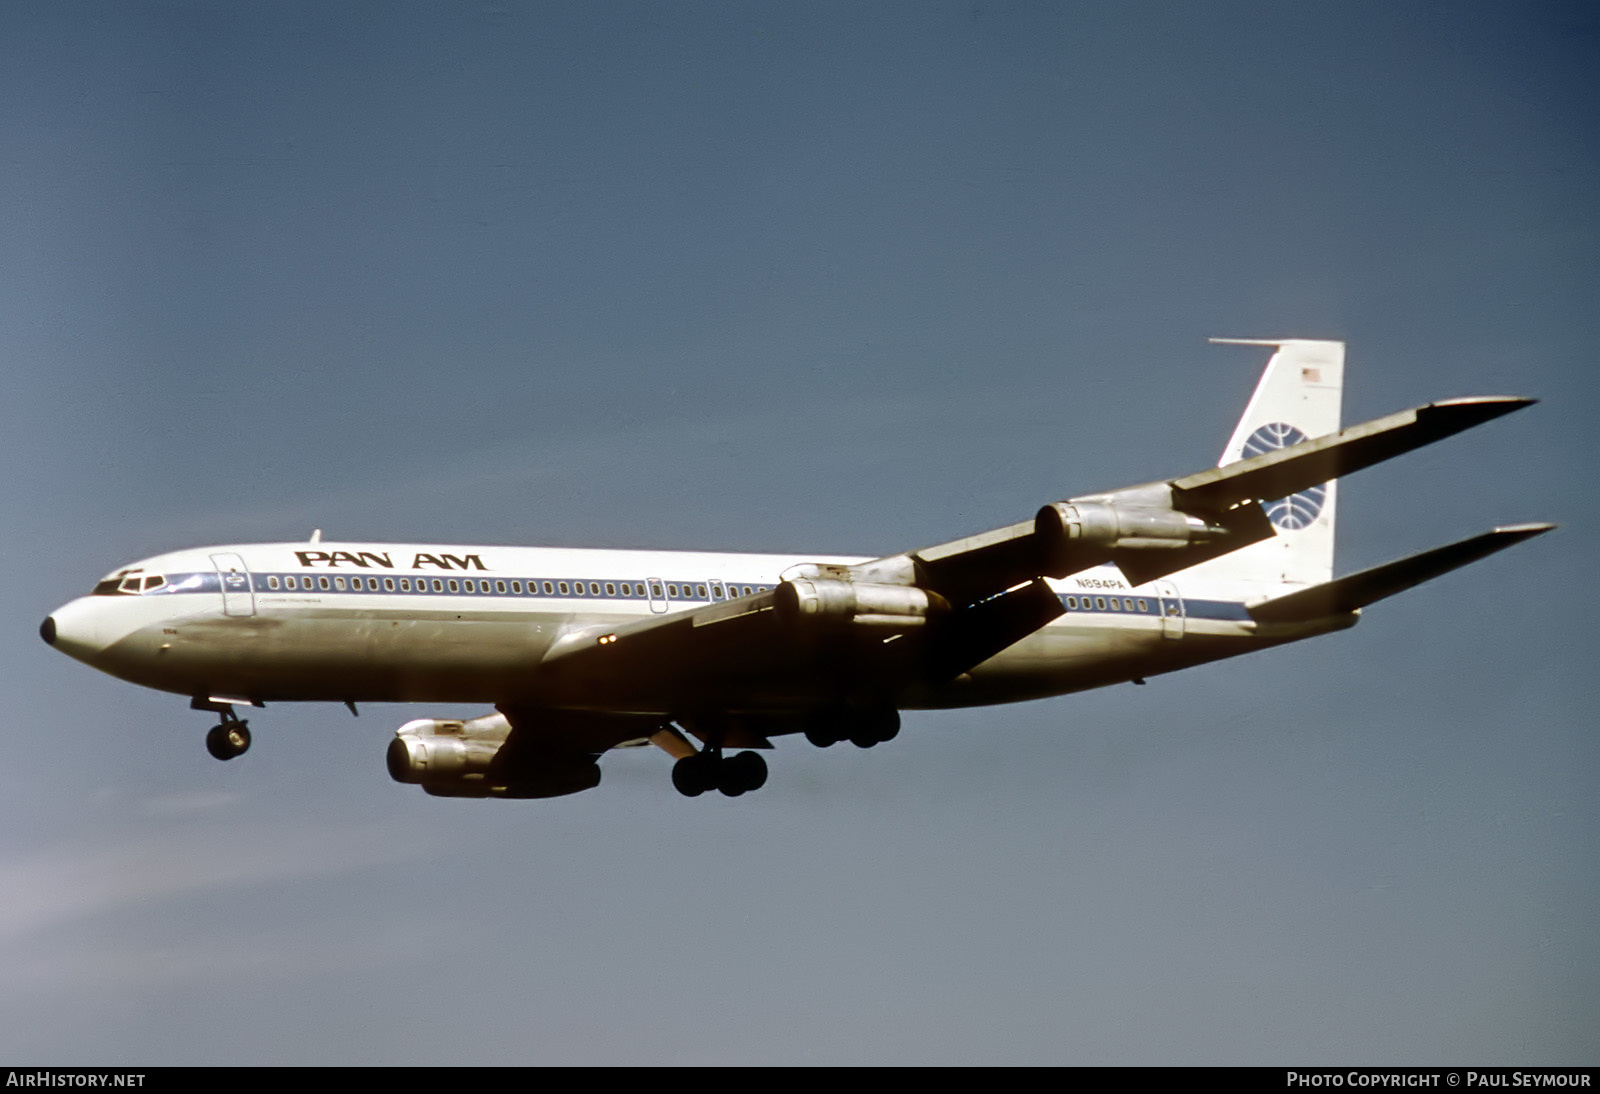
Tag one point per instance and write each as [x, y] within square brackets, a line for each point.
[1347, 594]
[1286, 471]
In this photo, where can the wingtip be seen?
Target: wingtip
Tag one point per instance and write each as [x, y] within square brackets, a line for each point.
[1503, 404]
[1525, 531]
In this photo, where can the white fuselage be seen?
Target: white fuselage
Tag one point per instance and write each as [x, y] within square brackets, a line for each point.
[404, 622]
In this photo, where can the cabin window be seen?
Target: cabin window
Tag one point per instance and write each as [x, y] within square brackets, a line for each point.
[516, 588]
[388, 584]
[1143, 606]
[1100, 602]
[700, 591]
[561, 585]
[1127, 605]
[672, 592]
[272, 581]
[322, 583]
[438, 586]
[1072, 603]
[454, 587]
[611, 589]
[338, 583]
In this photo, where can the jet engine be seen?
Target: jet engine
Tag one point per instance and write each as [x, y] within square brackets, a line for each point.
[466, 759]
[821, 599]
[1091, 525]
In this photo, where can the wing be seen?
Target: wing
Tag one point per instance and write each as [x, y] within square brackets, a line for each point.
[1356, 591]
[1158, 528]
[797, 647]
[859, 633]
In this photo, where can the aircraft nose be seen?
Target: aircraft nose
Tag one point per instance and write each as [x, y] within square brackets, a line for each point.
[80, 629]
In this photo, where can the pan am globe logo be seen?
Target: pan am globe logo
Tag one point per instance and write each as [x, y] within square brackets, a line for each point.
[1297, 510]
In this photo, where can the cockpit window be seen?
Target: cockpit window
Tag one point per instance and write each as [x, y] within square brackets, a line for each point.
[154, 582]
[112, 584]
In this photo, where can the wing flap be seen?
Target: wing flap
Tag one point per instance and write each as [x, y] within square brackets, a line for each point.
[973, 635]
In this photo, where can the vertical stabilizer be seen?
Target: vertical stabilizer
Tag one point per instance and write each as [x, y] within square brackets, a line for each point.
[1297, 398]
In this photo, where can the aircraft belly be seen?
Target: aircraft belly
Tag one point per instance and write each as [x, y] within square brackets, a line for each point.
[360, 656]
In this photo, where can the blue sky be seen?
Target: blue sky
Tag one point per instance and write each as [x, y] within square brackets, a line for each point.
[844, 278]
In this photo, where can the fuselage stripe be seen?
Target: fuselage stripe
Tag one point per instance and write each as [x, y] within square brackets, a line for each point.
[694, 591]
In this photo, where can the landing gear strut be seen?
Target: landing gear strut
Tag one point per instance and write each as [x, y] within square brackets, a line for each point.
[229, 738]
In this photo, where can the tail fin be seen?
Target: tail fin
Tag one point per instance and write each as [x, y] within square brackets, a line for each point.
[1297, 398]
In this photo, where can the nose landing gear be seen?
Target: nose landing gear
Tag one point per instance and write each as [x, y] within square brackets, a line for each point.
[229, 738]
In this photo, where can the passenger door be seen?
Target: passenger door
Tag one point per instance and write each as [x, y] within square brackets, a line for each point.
[238, 598]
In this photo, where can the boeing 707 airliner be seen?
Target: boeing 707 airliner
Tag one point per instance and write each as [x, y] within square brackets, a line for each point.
[710, 656]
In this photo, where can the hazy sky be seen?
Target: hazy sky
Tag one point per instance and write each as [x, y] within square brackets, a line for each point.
[847, 278]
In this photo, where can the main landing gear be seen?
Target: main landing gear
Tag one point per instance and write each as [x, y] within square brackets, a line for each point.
[862, 728]
[708, 770]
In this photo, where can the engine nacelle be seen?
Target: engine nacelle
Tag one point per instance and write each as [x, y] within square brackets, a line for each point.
[429, 749]
[820, 599]
[1069, 527]
[455, 759]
